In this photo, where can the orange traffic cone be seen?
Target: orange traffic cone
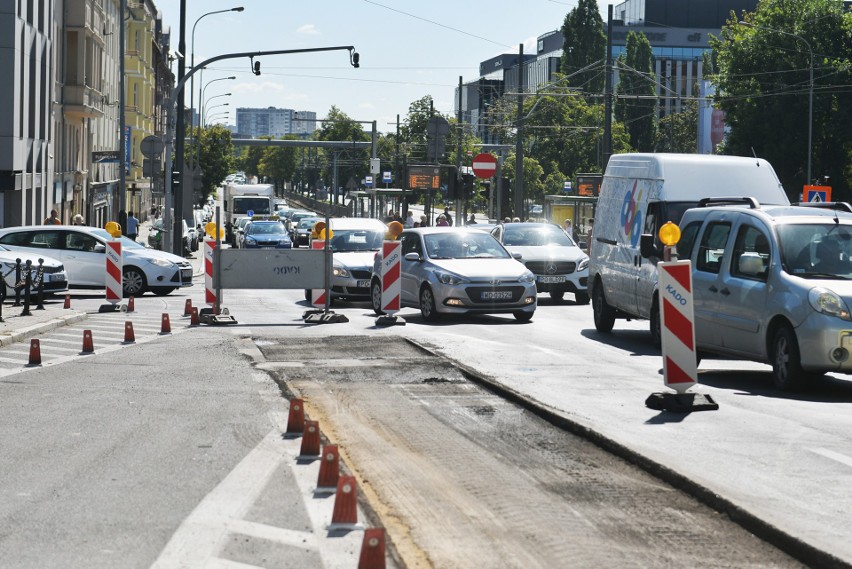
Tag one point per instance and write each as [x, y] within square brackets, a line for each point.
[187, 307]
[88, 345]
[373, 549]
[67, 301]
[193, 318]
[129, 336]
[329, 470]
[131, 305]
[165, 327]
[310, 440]
[296, 418]
[345, 502]
[35, 353]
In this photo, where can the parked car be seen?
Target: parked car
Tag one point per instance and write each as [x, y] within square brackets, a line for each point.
[558, 264]
[266, 235]
[239, 230]
[82, 249]
[302, 233]
[447, 270]
[354, 243]
[53, 272]
[155, 236]
[771, 284]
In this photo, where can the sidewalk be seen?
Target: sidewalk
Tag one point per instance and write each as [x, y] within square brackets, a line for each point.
[15, 327]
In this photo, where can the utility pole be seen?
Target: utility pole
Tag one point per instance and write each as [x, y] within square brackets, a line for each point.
[607, 141]
[459, 196]
[122, 126]
[519, 142]
[180, 132]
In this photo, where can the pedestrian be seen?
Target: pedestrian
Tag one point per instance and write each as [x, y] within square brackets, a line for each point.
[589, 235]
[507, 219]
[566, 225]
[516, 220]
[389, 217]
[447, 216]
[423, 221]
[442, 221]
[132, 226]
[471, 220]
[409, 220]
[53, 219]
[78, 220]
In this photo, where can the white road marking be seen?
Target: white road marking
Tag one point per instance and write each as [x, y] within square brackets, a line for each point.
[841, 458]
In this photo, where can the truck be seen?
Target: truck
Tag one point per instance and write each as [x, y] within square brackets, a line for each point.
[245, 200]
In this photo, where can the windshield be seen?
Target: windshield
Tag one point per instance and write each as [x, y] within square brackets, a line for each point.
[464, 245]
[125, 242]
[822, 251]
[535, 236]
[308, 222]
[274, 228]
[245, 204]
[356, 240]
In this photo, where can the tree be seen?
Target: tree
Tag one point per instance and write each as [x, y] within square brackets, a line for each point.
[636, 80]
[279, 162]
[585, 44]
[763, 89]
[217, 157]
[249, 159]
[678, 132]
[338, 126]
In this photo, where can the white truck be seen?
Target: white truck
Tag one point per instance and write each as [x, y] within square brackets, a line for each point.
[245, 200]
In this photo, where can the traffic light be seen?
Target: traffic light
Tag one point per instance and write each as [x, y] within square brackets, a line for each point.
[175, 180]
[467, 186]
[486, 185]
[452, 187]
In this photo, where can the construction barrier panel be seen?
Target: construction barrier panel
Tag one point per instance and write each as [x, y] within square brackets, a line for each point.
[677, 325]
[114, 270]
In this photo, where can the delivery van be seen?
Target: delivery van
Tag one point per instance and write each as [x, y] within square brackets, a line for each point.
[641, 192]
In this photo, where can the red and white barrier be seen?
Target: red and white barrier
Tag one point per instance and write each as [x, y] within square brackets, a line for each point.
[391, 282]
[318, 294]
[677, 325]
[209, 291]
[114, 270]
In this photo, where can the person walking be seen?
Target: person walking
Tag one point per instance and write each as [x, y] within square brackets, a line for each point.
[53, 219]
[409, 220]
[447, 216]
[132, 226]
[78, 220]
[442, 221]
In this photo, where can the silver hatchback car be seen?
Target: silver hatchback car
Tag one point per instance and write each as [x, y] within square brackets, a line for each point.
[773, 284]
[447, 270]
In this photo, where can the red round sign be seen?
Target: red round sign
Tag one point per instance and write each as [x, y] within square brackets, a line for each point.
[484, 165]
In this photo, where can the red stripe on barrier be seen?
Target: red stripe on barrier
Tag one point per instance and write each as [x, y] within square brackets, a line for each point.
[680, 273]
[674, 373]
[392, 304]
[391, 276]
[678, 324]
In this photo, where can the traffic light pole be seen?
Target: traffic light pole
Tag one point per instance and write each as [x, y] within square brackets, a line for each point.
[168, 224]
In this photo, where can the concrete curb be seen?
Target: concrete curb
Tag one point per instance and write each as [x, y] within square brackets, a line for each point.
[25, 333]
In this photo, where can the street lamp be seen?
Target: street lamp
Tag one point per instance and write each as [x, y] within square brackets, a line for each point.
[204, 108]
[201, 91]
[217, 116]
[810, 84]
[220, 105]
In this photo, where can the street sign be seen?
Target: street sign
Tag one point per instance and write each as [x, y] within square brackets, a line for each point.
[151, 146]
[368, 181]
[817, 194]
[484, 165]
[386, 177]
[424, 177]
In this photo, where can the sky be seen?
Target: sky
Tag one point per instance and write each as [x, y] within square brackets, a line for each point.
[407, 50]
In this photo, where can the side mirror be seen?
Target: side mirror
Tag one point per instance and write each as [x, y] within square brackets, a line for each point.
[647, 248]
[412, 256]
[99, 248]
[516, 255]
[751, 264]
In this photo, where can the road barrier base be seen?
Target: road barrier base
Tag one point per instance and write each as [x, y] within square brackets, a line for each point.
[390, 320]
[322, 317]
[681, 402]
[112, 308]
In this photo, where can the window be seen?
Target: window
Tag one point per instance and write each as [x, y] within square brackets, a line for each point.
[687, 240]
[750, 258]
[410, 244]
[712, 247]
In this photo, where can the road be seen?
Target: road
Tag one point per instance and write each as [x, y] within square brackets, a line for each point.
[122, 454]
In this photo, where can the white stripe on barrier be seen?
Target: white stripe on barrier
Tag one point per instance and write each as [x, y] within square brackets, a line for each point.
[677, 325]
[391, 282]
[114, 268]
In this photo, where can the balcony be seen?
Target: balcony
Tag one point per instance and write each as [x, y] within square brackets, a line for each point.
[82, 101]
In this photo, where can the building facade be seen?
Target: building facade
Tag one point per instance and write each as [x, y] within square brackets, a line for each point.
[275, 122]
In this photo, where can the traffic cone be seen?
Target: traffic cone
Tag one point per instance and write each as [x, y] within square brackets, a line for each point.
[35, 353]
[193, 318]
[67, 301]
[345, 502]
[187, 307]
[310, 440]
[329, 470]
[373, 549]
[129, 336]
[296, 419]
[165, 327]
[88, 345]
[131, 305]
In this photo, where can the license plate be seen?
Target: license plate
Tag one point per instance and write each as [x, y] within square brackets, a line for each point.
[363, 283]
[553, 279]
[52, 278]
[497, 295]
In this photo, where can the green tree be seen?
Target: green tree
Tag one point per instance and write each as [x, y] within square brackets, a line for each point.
[763, 88]
[217, 157]
[413, 131]
[636, 104]
[585, 44]
[249, 159]
[351, 163]
[279, 162]
[678, 132]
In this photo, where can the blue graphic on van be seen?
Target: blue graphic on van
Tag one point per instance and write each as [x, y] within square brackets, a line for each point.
[631, 217]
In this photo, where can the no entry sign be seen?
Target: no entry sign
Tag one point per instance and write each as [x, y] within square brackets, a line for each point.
[484, 165]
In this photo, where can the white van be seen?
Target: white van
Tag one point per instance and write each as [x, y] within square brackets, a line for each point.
[641, 192]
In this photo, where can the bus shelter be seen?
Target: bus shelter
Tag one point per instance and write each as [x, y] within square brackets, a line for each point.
[579, 209]
[383, 200]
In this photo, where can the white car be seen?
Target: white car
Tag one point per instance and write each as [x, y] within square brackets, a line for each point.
[82, 250]
[53, 273]
[354, 244]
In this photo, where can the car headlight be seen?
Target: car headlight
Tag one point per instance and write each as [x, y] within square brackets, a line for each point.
[449, 278]
[527, 277]
[583, 265]
[341, 272]
[828, 302]
[165, 263]
[250, 241]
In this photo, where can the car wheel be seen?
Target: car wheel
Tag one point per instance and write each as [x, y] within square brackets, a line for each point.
[522, 316]
[655, 324]
[603, 312]
[581, 297]
[162, 290]
[427, 305]
[787, 372]
[557, 295]
[133, 282]
[376, 296]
